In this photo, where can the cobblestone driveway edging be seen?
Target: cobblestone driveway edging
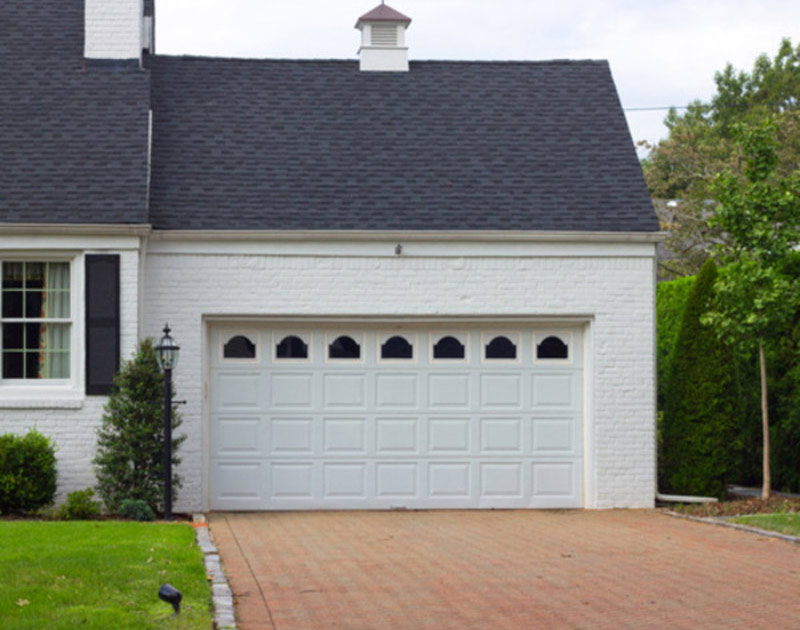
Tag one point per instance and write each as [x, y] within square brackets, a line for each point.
[221, 593]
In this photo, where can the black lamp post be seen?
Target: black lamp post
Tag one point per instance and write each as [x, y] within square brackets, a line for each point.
[167, 356]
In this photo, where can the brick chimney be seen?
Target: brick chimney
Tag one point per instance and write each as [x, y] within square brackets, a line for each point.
[117, 29]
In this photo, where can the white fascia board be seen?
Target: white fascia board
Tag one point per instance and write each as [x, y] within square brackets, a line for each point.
[413, 244]
[19, 237]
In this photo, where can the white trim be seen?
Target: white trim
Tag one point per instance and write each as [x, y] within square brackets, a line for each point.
[79, 229]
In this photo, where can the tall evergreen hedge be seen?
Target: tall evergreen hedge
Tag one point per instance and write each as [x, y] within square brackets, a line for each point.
[671, 299]
[702, 410]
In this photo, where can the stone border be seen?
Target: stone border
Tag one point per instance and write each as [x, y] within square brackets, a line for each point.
[221, 593]
[709, 520]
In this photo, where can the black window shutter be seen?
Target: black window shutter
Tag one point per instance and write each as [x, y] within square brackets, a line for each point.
[102, 322]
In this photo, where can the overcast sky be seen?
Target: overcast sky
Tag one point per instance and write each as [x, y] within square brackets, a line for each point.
[662, 52]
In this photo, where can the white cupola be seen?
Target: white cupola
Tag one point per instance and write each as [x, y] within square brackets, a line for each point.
[383, 40]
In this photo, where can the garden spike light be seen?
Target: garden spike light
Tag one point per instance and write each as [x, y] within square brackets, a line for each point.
[171, 595]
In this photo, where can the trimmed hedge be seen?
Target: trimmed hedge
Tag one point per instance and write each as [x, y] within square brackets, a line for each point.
[670, 303]
[702, 412]
[27, 472]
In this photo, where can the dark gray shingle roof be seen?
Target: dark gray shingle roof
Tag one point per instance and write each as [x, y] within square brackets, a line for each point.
[285, 144]
[74, 136]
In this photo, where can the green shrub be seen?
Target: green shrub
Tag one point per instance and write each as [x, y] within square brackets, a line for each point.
[130, 456]
[670, 303]
[136, 510]
[702, 409]
[79, 506]
[27, 472]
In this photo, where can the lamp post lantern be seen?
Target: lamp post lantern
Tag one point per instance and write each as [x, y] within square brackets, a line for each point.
[167, 356]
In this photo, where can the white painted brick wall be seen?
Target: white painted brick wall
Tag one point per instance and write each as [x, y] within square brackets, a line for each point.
[113, 29]
[73, 424]
[616, 291]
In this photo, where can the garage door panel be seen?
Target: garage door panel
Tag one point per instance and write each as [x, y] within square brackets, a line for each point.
[556, 390]
[397, 480]
[292, 435]
[344, 391]
[396, 391]
[291, 390]
[449, 436]
[397, 435]
[344, 436]
[237, 436]
[500, 435]
[501, 390]
[420, 432]
[448, 391]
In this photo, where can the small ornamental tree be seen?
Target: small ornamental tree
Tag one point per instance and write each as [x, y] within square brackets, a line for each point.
[130, 455]
[759, 212]
[699, 447]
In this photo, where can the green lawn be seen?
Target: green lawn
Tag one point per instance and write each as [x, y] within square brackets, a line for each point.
[783, 523]
[99, 574]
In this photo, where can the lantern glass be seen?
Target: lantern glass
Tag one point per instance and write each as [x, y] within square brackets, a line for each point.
[167, 351]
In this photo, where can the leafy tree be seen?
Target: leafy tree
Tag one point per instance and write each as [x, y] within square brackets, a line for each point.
[671, 299]
[130, 454]
[699, 432]
[759, 212]
[702, 142]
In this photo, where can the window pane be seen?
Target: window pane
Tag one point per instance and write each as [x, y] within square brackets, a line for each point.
[344, 348]
[56, 304]
[291, 347]
[239, 347]
[12, 365]
[12, 275]
[34, 275]
[397, 348]
[552, 348]
[448, 348]
[33, 336]
[12, 303]
[12, 336]
[50, 364]
[33, 303]
[501, 348]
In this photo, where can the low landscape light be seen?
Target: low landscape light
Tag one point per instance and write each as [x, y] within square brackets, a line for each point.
[171, 595]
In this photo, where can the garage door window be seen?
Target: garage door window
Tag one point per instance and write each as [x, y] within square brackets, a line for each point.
[552, 347]
[344, 347]
[501, 347]
[291, 347]
[449, 348]
[239, 347]
[397, 347]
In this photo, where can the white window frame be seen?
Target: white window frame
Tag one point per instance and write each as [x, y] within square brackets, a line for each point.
[22, 387]
[410, 337]
[435, 337]
[514, 337]
[357, 336]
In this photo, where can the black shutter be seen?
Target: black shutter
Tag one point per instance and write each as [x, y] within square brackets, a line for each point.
[102, 322]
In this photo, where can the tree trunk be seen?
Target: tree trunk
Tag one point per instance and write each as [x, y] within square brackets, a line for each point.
[765, 488]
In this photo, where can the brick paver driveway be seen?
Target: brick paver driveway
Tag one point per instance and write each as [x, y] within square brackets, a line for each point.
[503, 569]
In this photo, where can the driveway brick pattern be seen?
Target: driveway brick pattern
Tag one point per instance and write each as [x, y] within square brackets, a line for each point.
[465, 570]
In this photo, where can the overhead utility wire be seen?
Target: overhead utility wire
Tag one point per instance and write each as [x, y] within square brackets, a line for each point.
[654, 109]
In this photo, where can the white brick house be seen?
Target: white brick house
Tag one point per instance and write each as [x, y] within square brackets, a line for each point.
[394, 284]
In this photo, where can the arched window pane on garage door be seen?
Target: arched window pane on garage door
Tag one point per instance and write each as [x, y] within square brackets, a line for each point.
[239, 347]
[501, 348]
[397, 348]
[448, 348]
[344, 347]
[291, 347]
[552, 348]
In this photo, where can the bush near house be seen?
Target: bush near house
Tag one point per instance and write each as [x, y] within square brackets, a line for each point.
[27, 472]
[702, 411]
[670, 303]
[130, 456]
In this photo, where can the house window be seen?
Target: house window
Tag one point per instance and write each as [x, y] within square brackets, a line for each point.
[552, 348]
[344, 347]
[448, 348]
[501, 348]
[36, 320]
[291, 347]
[239, 347]
[397, 348]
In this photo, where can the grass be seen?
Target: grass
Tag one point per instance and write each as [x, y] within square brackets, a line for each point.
[100, 575]
[782, 523]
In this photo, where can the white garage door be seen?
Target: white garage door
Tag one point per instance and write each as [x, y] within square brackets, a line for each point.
[445, 416]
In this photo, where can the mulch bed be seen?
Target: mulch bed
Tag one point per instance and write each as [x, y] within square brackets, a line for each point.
[738, 507]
